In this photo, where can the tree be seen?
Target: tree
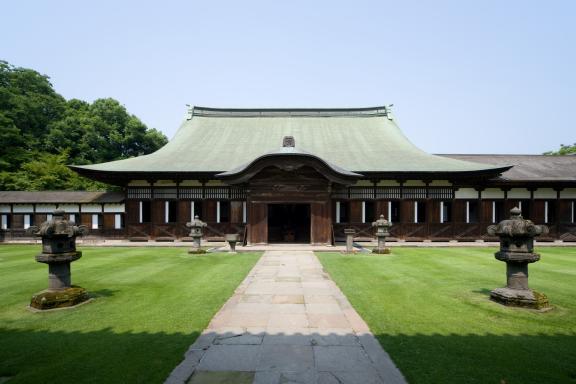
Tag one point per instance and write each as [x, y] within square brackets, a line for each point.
[564, 150]
[41, 132]
[48, 172]
[27, 105]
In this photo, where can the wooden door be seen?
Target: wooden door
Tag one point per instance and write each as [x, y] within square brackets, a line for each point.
[258, 223]
[320, 221]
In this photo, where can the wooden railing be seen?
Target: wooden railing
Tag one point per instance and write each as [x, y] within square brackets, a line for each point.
[217, 231]
[364, 231]
[138, 230]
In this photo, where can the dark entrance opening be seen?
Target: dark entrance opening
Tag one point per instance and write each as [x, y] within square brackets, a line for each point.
[289, 223]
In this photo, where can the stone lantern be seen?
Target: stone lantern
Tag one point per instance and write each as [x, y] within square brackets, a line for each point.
[58, 251]
[196, 231]
[232, 239]
[382, 231]
[517, 251]
[349, 232]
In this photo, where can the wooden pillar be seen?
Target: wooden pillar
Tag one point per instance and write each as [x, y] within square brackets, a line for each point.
[481, 215]
[184, 217]
[557, 219]
[429, 204]
[532, 205]
[453, 212]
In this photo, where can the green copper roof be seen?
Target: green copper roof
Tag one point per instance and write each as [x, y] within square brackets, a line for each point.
[358, 140]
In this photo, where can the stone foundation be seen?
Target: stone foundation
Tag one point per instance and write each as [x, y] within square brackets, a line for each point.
[68, 297]
[524, 298]
[384, 251]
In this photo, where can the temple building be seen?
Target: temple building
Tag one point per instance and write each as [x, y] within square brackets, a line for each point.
[303, 175]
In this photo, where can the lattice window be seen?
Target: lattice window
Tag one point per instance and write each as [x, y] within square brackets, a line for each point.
[363, 193]
[414, 193]
[441, 193]
[191, 193]
[388, 192]
[165, 193]
[238, 193]
[139, 193]
[217, 192]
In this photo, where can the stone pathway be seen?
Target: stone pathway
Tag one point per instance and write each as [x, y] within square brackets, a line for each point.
[287, 322]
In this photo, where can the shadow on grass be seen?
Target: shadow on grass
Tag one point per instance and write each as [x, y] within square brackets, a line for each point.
[483, 291]
[103, 293]
[103, 356]
[106, 356]
[499, 359]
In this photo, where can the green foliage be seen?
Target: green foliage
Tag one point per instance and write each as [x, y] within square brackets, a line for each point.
[564, 150]
[48, 172]
[41, 132]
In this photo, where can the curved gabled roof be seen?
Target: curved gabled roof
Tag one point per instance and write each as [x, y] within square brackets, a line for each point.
[358, 140]
[288, 153]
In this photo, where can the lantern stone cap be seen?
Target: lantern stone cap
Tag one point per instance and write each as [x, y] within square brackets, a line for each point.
[196, 223]
[381, 222]
[517, 226]
[58, 226]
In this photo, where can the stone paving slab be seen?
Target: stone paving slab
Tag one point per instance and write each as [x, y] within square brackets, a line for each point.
[287, 322]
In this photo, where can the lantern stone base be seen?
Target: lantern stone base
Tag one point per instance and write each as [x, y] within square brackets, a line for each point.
[525, 298]
[51, 299]
[384, 251]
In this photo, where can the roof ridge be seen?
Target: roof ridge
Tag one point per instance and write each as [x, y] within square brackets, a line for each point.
[290, 112]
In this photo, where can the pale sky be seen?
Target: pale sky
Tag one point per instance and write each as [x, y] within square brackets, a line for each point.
[464, 76]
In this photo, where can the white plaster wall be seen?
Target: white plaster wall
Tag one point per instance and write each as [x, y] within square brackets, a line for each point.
[70, 208]
[544, 193]
[518, 193]
[215, 183]
[45, 208]
[138, 183]
[164, 183]
[91, 208]
[414, 183]
[568, 193]
[440, 183]
[492, 193]
[190, 183]
[388, 183]
[363, 183]
[23, 208]
[5, 208]
[114, 208]
[466, 193]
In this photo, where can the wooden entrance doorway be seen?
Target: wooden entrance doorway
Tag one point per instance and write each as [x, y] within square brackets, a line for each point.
[289, 223]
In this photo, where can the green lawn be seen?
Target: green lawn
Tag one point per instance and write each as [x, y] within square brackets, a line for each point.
[430, 309]
[151, 304]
